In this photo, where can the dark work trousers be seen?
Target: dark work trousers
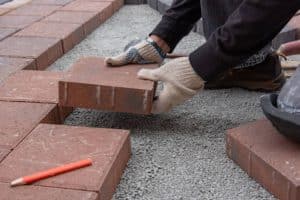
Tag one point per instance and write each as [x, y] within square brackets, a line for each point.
[215, 13]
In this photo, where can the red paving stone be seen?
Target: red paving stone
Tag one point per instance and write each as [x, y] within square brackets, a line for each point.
[35, 10]
[43, 193]
[44, 50]
[9, 66]
[89, 20]
[90, 84]
[19, 22]
[31, 86]
[3, 154]
[18, 119]
[117, 4]
[34, 87]
[5, 32]
[268, 157]
[104, 9]
[70, 34]
[4, 11]
[52, 145]
[51, 2]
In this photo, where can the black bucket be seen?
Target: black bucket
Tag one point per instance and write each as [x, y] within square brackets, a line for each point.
[287, 124]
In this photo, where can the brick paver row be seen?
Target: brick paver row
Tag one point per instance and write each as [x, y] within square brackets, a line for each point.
[268, 157]
[32, 37]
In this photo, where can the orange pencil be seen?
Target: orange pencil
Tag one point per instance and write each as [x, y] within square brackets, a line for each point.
[51, 172]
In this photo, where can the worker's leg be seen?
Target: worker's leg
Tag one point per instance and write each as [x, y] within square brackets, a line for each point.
[261, 71]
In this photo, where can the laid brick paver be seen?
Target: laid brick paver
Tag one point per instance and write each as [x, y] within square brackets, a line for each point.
[34, 87]
[18, 119]
[44, 50]
[104, 9]
[117, 4]
[70, 34]
[52, 145]
[268, 157]
[43, 193]
[19, 22]
[35, 10]
[89, 20]
[5, 32]
[9, 66]
[51, 2]
[91, 84]
[4, 11]
[3, 153]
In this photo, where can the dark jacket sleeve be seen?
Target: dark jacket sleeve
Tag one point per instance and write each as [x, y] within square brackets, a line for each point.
[178, 21]
[247, 30]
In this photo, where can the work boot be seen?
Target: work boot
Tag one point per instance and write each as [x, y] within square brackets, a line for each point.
[266, 76]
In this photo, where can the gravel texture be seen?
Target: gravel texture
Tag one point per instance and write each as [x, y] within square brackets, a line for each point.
[181, 154]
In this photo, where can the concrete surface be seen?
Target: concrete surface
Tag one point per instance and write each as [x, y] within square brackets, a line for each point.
[181, 154]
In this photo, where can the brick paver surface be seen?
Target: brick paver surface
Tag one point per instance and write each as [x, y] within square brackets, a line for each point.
[104, 9]
[268, 157]
[9, 66]
[34, 87]
[44, 50]
[34, 10]
[5, 32]
[91, 84]
[51, 2]
[3, 152]
[43, 193]
[19, 22]
[52, 145]
[17, 119]
[31, 86]
[89, 20]
[70, 34]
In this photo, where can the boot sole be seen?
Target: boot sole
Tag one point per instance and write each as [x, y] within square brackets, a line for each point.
[263, 86]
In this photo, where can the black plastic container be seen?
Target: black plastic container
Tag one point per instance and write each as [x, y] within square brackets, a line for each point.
[286, 123]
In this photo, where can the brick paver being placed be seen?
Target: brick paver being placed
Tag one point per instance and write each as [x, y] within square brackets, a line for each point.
[34, 87]
[268, 157]
[52, 145]
[34, 10]
[18, 119]
[70, 34]
[18, 22]
[44, 50]
[9, 66]
[91, 84]
[89, 20]
[43, 193]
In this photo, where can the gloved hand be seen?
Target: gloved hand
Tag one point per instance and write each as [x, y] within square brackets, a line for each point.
[145, 52]
[180, 82]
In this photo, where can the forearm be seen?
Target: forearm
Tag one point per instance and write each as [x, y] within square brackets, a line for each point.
[247, 30]
[178, 21]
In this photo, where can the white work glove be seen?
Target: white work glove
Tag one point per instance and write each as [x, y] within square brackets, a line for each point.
[180, 83]
[145, 52]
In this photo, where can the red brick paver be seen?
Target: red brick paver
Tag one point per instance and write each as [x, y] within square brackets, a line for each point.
[18, 22]
[42, 193]
[17, 119]
[5, 32]
[9, 66]
[104, 9]
[70, 34]
[90, 84]
[51, 2]
[52, 145]
[44, 50]
[89, 20]
[35, 10]
[34, 87]
[268, 157]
